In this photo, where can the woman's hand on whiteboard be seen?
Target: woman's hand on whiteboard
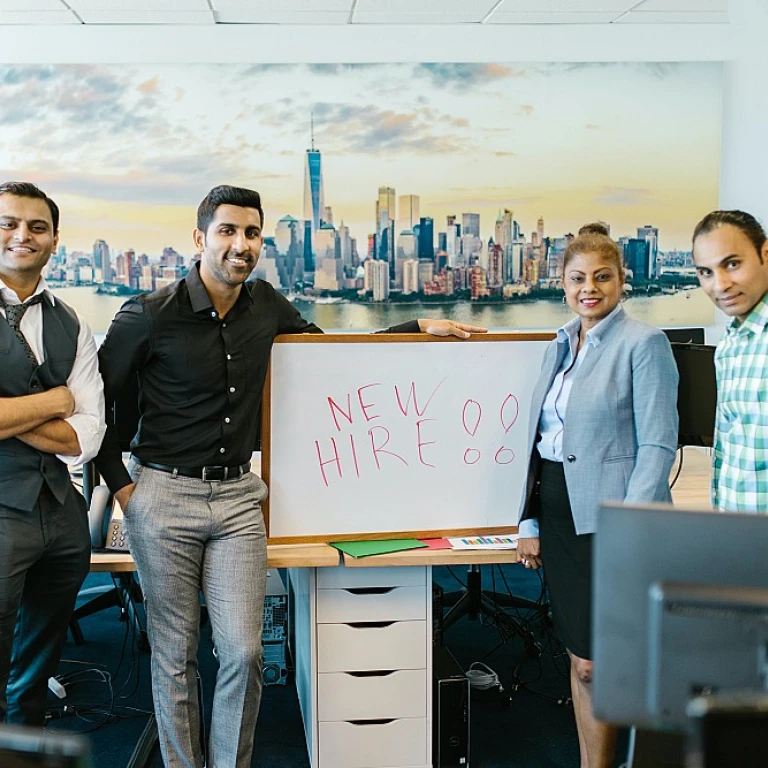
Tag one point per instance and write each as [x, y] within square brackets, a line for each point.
[529, 552]
[448, 328]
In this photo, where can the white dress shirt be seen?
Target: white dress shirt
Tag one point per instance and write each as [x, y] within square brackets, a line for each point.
[84, 380]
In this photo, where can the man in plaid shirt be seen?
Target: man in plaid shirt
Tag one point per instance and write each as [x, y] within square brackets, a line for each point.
[730, 251]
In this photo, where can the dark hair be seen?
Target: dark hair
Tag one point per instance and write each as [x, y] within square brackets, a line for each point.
[595, 228]
[746, 222]
[226, 195]
[27, 189]
[594, 243]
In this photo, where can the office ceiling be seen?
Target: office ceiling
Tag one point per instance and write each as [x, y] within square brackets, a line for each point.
[363, 12]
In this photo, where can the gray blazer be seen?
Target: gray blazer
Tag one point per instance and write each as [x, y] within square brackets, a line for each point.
[620, 428]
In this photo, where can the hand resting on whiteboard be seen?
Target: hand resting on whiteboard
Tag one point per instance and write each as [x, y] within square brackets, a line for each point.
[529, 552]
[448, 328]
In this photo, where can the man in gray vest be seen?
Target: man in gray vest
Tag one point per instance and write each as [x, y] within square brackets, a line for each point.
[51, 416]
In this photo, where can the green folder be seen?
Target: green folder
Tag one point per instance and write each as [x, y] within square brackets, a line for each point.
[366, 548]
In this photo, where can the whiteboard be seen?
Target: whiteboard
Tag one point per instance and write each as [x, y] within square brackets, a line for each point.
[366, 436]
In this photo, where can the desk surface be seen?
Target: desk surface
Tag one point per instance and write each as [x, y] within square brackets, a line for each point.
[691, 491]
[434, 557]
[278, 556]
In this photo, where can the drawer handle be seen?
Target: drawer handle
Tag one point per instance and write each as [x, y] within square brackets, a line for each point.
[383, 721]
[370, 624]
[372, 673]
[370, 590]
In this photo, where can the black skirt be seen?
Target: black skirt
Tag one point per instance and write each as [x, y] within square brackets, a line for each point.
[567, 560]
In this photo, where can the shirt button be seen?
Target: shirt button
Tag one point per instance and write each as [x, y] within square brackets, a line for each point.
[224, 325]
[231, 389]
[571, 459]
[229, 357]
[227, 420]
[221, 450]
[213, 314]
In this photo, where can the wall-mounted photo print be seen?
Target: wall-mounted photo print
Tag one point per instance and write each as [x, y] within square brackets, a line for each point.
[452, 187]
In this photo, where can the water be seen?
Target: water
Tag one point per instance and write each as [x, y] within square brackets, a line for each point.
[685, 308]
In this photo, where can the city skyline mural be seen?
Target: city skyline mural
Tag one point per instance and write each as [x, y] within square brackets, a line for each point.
[465, 180]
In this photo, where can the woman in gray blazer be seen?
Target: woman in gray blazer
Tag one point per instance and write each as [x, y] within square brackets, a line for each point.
[603, 427]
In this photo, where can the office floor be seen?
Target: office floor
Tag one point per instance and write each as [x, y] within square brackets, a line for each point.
[529, 727]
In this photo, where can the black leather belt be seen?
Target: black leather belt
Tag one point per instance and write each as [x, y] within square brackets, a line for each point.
[203, 473]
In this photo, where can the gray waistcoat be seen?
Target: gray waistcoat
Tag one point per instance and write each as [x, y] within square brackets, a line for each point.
[22, 468]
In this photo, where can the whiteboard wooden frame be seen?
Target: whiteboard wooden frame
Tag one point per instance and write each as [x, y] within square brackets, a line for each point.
[369, 338]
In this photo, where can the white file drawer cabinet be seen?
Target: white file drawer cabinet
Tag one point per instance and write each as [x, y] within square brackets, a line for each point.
[364, 666]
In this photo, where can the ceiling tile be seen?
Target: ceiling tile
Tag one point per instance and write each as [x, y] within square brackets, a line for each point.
[680, 17]
[682, 5]
[247, 16]
[144, 5]
[38, 17]
[465, 17]
[474, 8]
[31, 5]
[566, 6]
[278, 6]
[146, 17]
[554, 18]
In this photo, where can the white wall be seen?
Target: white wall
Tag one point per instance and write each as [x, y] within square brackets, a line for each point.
[742, 44]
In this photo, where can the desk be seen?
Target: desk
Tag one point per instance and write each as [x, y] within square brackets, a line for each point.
[424, 557]
[278, 556]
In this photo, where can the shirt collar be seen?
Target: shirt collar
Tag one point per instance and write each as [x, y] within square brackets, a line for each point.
[754, 322]
[570, 331]
[11, 296]
[198, 296]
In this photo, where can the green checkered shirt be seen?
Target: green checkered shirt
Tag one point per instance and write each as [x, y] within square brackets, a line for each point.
[740, 468]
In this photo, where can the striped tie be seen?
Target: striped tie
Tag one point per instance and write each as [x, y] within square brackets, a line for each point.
[13, 314]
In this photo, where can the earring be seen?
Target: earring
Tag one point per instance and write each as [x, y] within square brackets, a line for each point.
[563, 299]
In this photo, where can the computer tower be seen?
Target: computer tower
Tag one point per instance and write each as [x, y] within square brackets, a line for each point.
[437, 614]
[275, 608]
[275, 668]
[450, 711]
[275, 631]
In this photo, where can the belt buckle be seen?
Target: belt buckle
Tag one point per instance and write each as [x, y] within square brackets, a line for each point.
[215, 472]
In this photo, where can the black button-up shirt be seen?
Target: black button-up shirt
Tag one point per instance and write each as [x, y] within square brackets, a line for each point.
[200, 376]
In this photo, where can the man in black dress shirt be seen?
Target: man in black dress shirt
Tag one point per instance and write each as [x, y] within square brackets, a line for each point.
[192, 508]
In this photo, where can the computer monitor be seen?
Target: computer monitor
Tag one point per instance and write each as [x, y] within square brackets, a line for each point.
[685, 335]
[696, 394]
[680, 608]
[36, 748]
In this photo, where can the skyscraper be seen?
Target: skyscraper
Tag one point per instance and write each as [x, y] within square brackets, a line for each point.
[453, 241]
[380, 275]
[101, 261]
[651, 236]
[426, 238]
[385, 227]
[637, 257]
[470, 224]
[408, 212]
[314, 201]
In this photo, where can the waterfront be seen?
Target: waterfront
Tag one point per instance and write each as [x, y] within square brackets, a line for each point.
[685, 308]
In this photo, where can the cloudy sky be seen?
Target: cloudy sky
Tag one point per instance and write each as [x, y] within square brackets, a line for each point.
[129, 151]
